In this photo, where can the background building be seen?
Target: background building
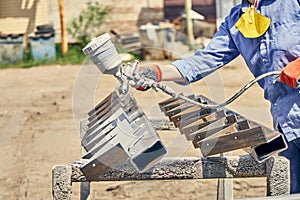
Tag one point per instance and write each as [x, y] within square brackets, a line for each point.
[22, 16]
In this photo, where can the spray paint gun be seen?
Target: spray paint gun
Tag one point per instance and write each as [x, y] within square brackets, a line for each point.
[105, 56]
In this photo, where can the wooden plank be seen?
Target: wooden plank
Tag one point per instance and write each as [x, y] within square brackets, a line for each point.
[232, 141]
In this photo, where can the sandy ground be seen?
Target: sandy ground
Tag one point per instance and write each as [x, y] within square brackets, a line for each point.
[38, 131]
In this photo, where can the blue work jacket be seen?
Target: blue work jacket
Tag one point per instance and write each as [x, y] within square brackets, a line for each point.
[270, 52]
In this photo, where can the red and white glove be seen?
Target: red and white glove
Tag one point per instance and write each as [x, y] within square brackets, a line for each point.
[290, 75]
[150, 72]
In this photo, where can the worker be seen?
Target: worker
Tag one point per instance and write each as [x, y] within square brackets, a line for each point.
[267, 35]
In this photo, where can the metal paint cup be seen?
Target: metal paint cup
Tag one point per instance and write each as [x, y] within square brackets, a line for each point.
[103, 54]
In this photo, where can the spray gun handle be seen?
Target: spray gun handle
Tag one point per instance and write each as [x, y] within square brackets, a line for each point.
[126, 70]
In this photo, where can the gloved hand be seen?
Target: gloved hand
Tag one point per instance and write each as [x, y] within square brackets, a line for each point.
[152, 72]
[290, 75]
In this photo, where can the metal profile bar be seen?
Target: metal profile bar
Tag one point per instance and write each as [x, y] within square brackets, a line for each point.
[167, 101]
[110, 114]
[146, 152]
[100, 104]
[192, 126]
[119, 125]
[189, 110]
[189, 113]
[98, 129]
[143, 149]
[170, 100]
[131, 114]
[108, 110]
[178, 104]
[173, 109]
[275, 144]
[177, 110]
[191, 120]
[232, 141]
[113, 157]
[134, 135]
[211, 127]
[218, 132]
[107, 101]
[109, 132]
[101, 109]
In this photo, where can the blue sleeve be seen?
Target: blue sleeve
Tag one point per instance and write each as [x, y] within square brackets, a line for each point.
[220, 51]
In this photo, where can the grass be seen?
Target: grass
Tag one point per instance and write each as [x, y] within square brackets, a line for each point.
[74, 56]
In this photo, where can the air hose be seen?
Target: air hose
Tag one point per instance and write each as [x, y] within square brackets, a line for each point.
[176, 95]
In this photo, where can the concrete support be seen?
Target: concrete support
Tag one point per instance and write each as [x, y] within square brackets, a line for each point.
[278, 179]
[276, 169]
[61, 182]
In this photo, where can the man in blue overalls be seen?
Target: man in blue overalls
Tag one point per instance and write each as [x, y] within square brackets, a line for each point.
[267, 34]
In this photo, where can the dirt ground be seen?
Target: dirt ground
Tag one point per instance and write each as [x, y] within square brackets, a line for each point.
[38, 131]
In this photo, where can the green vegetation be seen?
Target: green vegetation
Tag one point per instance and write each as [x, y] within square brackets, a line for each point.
[89, 22]
[74, 56]
[82, 28]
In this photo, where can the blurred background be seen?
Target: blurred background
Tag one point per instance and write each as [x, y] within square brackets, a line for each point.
[34, 31]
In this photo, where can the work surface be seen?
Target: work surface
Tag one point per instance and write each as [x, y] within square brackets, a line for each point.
[38, 132]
